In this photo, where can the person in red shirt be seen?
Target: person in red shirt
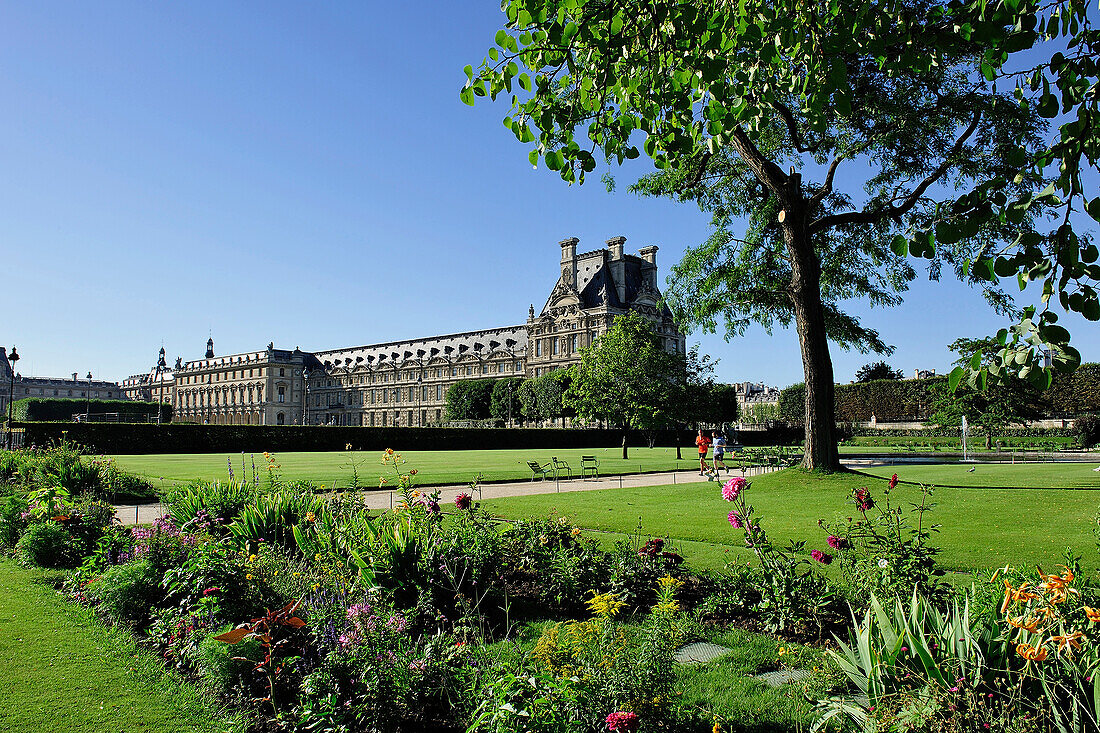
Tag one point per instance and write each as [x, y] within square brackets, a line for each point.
[704, 445]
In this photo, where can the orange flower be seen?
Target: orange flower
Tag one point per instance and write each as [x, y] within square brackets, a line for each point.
[1092, 614]
[1014, 595]
[1031, 624]
[1057, 586]
[1068, 642]
[1030, 653]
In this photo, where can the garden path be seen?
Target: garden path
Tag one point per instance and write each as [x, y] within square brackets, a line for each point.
[146, 513]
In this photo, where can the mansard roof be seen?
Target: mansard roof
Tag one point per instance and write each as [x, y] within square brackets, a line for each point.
[510, 339]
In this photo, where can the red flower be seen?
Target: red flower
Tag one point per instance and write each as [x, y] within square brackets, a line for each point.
[464, 501]
[622, 722]
[893, 481]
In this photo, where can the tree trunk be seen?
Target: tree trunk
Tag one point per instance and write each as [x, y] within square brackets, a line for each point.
[820, 453]
[676, 438]
[624, 445]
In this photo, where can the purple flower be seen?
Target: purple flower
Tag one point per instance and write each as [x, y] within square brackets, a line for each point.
[838, 543]
[735, 520]
[822, 557]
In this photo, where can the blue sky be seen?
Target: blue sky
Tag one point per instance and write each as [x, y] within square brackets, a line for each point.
[306, 174]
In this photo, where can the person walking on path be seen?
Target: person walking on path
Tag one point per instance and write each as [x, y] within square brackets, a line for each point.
[719, 451]
[703, 442]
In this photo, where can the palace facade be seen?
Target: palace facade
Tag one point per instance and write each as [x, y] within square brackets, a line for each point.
[64, 388]
[405, 383]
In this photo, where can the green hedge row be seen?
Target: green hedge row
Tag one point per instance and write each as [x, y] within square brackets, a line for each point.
[38, 409]
[954, 433]
[187, 438]
[911, 399]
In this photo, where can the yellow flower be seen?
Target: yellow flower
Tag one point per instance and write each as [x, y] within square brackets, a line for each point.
[669, 583]
[310, 516]
[316, 586]
[389, 451]
[1092, 614]
[782, 650]
[605, 605]
[248, 577]
[252, 558]
[716, 729]
[576, 531]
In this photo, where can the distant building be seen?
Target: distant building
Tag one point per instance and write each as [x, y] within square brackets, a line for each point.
[65, 388]
[405, 383]
[924, 373]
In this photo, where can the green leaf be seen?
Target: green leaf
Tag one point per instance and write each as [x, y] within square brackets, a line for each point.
[955, 377]
[467, 96]
[1093, 207]
[900, 245]
[976, 361]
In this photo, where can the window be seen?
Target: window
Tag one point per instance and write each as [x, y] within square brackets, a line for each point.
[282, 394]
[282, 372]
[573, 342]
[372, 419]
[538, 347]
[554, 346]
[280, 419]
[439, 391]
[385, 395]
[484, 368]
[454, 372]
[519, 367]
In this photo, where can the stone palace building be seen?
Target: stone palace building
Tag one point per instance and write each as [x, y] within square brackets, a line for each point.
[405, 383]
[65, 388]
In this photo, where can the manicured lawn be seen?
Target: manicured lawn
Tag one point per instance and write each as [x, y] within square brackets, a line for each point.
[1003, 475]
[434, 467]
[981, 528]
[61, 670]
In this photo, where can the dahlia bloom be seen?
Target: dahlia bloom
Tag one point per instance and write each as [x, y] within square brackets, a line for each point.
[622, 722]
[733, 487]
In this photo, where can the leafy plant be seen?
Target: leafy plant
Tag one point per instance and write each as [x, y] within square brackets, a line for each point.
[275, 633]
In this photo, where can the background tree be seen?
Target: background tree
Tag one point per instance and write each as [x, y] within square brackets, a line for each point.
[529, 401]
[469, 399]
[693, 398]
[505, 402]
[720, 406]
[626, 378]
[1012, 401]
[761, 412]
[750, 109]
[877, 370]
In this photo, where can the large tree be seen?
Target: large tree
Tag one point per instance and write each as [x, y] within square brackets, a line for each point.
[627, 378]
[750, 109]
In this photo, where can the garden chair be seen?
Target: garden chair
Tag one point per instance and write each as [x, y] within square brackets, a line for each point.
[589, 464]
[561, 466]
[537, 470]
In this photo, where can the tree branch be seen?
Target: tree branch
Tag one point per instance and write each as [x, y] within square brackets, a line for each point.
[827, 186]
[792, 127]
[767, 172]
[875, 216]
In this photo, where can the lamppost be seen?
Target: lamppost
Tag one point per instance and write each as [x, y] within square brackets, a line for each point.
[88, 404]
[161, 367]
[420, 400]
[14, 357]
[305, 376]
[511, 382]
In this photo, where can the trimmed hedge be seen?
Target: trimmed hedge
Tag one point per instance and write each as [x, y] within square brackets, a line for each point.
[187, 438]
[954, 432]
[892, 400]
[38, 409]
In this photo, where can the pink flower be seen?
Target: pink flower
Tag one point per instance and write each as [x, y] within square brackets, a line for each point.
[837, 543]
[464, 501]
[735, 520]
[822, 557]
[208, 591]
[622, 722]
[893, 481]
[864, 500]
[733, 487]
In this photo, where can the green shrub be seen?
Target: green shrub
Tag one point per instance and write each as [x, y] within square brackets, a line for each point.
[227, 669]
[214, 503]
[13, 519]
[1088, 430]
[128, 594]
[47, 545]
[272, 518]
[46, 409]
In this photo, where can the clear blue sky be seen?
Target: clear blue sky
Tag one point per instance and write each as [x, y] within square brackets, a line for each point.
[306, 174]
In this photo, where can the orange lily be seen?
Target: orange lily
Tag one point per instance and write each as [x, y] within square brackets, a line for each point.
[1030, 653]
[1092, 614]
[1013, 595]
[1068, 642]
[1031, 624]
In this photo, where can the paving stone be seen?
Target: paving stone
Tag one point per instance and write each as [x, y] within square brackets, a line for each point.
[784, 677]
[700, 652]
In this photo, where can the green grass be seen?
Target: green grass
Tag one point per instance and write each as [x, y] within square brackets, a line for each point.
[999, 475]
[434, 467]
[981, 528]
[61, 670]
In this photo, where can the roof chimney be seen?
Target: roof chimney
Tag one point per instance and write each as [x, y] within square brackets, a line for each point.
[615, 244]
[569, 261]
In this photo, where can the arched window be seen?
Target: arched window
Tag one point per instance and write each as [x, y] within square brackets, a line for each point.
[280, 419]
